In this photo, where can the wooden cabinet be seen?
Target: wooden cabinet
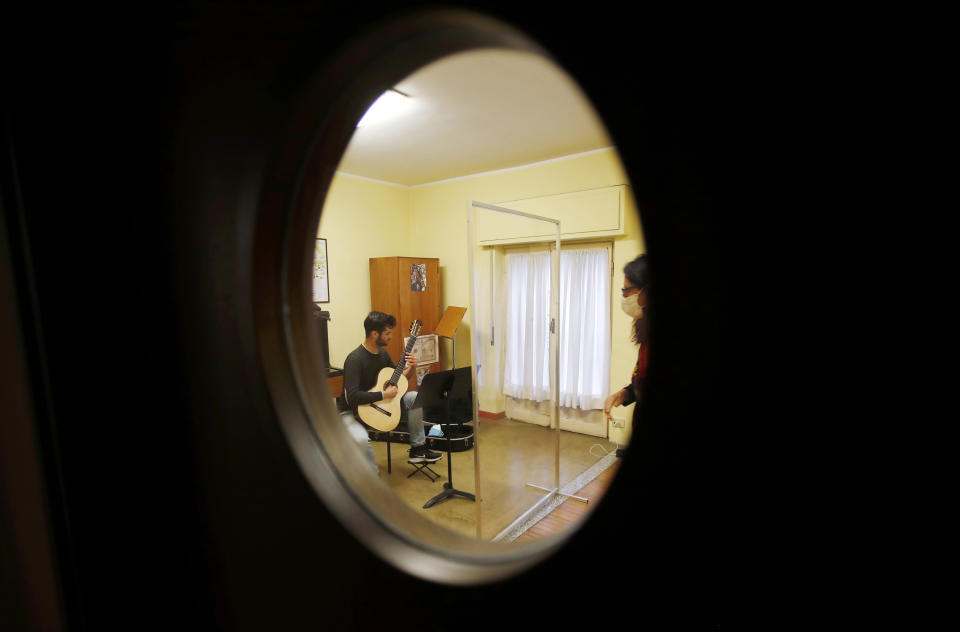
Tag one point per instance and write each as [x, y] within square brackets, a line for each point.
[408, 288]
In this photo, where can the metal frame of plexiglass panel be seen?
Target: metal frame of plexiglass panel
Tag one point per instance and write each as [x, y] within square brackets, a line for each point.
[504, 498]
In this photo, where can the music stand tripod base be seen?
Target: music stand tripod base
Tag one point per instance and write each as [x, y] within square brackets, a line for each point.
[448, 492]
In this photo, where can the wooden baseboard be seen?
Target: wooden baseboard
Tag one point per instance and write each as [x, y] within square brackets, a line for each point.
[485, 415]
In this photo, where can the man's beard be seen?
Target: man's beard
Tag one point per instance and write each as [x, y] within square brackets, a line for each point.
[381, 342]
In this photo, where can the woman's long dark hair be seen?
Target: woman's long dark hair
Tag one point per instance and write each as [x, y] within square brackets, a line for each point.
[636, 273]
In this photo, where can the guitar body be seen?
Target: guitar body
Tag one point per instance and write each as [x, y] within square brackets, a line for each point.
[385, 414]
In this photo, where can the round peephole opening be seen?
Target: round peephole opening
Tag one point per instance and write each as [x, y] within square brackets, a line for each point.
[455, 194]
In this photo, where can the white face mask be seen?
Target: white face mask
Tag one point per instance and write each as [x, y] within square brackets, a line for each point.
[631, 306]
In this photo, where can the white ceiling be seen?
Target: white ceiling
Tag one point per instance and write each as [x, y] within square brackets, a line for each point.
[476, 112]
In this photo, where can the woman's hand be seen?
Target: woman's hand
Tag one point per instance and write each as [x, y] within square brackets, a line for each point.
[611, 402]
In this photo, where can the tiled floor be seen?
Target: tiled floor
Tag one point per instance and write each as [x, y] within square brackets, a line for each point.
[512, 454]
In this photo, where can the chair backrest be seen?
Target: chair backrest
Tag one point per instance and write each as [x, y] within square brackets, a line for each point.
[336, 385]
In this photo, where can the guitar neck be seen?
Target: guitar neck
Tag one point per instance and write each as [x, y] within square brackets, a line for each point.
[403, 359]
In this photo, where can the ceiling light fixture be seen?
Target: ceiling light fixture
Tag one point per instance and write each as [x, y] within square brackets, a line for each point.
[388, 105]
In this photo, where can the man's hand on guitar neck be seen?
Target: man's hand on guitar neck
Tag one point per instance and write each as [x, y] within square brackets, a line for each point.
[390, 392]
[411, 361]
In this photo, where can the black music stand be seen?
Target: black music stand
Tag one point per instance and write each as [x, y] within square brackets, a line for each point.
[437, 389]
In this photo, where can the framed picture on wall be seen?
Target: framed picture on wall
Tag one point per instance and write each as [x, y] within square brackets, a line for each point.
[321, 272]
[425, 349]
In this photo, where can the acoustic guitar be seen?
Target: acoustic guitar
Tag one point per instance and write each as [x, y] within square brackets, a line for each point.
[385, 414]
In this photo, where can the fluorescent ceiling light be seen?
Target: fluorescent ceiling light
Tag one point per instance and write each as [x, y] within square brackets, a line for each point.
[388, 105]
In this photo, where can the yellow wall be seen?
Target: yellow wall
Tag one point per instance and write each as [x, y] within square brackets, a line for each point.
[361, 219]
[364, 219]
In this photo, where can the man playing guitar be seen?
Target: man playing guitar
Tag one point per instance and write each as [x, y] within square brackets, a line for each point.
[360, 373]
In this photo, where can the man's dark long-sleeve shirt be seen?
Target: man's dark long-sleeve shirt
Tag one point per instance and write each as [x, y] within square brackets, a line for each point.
[360, 371]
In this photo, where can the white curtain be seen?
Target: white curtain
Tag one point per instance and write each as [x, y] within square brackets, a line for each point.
[526, 372]
[584, 328]
[584, 369]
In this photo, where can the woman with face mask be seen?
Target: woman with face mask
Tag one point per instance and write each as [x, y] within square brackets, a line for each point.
[633, 301]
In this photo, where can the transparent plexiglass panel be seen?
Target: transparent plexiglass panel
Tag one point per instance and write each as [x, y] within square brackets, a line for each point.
[515, 295]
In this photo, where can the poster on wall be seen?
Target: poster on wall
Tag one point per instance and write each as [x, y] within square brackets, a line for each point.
[321, 278]
[418, 277]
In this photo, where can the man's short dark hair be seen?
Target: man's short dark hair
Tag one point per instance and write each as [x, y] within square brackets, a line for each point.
[378, 321]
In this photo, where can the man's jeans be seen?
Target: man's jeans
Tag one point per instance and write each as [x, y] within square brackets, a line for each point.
[414, 425]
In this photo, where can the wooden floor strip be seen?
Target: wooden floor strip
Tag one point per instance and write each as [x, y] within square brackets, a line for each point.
[571, 511]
